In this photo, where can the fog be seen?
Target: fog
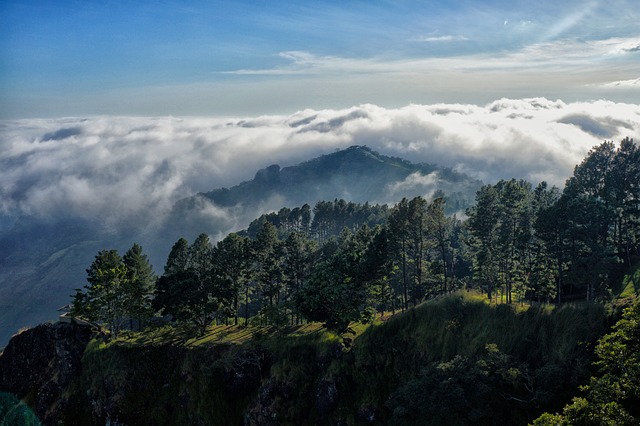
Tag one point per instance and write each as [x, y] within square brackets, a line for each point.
[132, 170]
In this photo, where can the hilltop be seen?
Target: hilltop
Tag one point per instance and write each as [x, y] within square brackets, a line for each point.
[477, 359]
[43, 260]
[357, 174]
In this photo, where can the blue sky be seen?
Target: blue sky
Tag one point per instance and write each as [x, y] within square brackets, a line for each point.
[78, 58]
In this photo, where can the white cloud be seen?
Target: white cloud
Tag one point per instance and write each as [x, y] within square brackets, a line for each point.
[415, 184]
[124, 170]
[622, 84]
[554, 58]
[443, 38]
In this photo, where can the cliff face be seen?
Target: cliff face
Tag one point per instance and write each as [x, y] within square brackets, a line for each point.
[39, 364]
[450, 361]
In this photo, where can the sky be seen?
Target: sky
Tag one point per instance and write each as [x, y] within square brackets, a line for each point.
[113, 110]
[116, 109]
[212, 58]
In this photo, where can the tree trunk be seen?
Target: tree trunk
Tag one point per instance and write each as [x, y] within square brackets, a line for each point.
[236, 307]
[246, 307]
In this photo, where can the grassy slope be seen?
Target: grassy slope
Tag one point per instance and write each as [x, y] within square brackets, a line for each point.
[553, 345]
[309, 375]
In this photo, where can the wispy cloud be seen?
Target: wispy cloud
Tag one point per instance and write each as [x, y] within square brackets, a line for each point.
[554, 58]
[622, 84]
[631, 45]
[569, 21]
[442, 38]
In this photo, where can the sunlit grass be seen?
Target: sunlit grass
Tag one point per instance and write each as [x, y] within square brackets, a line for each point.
[630, 285]
[223, 369]
[230, 334]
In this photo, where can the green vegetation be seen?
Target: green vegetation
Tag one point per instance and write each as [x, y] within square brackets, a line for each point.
[612, 397]
[458, 357]
[630, 286]
[530, 359]
[343, 262]
[119, 290]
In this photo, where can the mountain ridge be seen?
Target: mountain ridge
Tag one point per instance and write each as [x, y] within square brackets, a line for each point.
[362, 173]
[42, 262]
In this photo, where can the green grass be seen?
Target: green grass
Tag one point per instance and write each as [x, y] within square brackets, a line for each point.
[630, 285]
[228, 334]
[545, 339]
[232, 373]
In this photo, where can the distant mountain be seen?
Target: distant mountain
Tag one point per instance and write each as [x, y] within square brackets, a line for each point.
[356, 174]
[42, 262]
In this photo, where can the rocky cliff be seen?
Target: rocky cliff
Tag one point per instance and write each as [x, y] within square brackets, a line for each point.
[39, 364]
[456, 360]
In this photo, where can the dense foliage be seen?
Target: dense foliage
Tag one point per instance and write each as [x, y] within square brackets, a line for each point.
[455, 360]
[612, 397]
[119, 290]
[342, 261]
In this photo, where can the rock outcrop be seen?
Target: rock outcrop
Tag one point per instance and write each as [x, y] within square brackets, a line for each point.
[39, 364]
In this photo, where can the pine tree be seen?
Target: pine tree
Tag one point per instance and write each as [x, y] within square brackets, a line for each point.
[141, 284]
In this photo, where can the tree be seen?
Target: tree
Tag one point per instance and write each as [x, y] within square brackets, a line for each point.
[337, 292]
[140, 284]
[297, 266]
[106, 296]
[181, 296]
[417, 233]
[514, 233]
[612, 398]
[199, 255]
[463, 391]
[178, 259]
[378, 267]
[439, 229]
[501, 224]
[188, 290]
[231, 265]
[483, 224]
[552, 228]
[597, 193]
[624, 180]
[398, 225]
[268, 257]
[546, 261]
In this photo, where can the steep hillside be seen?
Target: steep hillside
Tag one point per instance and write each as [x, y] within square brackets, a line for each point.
[43, 260]
[457, 359]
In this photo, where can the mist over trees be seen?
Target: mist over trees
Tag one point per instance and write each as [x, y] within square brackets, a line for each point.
[466, 358]
[342, 261]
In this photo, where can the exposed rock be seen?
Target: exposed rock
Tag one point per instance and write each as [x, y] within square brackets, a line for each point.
[326, 397]
[367, 413]
[267, 407]
[39, 363]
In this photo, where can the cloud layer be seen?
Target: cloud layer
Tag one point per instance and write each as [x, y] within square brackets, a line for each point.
[134, 169]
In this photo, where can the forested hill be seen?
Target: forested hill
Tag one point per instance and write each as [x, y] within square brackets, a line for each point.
[456, 360]
[43, 260]
[356, 174]
[496, 351]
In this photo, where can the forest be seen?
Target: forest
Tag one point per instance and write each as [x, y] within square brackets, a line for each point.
[340, 261]
[523, 309]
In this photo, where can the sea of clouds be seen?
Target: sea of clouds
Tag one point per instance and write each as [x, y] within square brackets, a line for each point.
[127, 168]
